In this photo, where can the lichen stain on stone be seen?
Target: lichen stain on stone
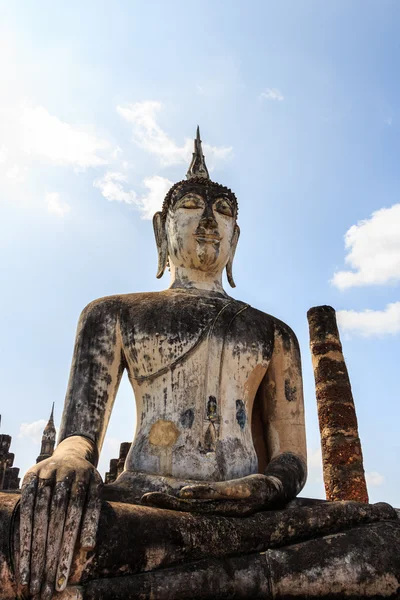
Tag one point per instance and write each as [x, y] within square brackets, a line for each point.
[163, 433]
[241, 416]
[187, 418]
[290, 391]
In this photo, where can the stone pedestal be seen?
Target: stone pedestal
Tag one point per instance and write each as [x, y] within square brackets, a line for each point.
[303, 552]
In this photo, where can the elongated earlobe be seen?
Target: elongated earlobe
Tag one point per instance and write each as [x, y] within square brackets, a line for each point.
[235, 239]
[161, 241]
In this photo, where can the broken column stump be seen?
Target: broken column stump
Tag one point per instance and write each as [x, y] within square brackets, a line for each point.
[342, 458]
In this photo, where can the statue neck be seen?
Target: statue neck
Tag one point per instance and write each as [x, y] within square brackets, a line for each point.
[182, 277]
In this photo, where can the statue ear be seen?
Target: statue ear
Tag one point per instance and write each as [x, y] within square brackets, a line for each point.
[235, 239]
[161, 241]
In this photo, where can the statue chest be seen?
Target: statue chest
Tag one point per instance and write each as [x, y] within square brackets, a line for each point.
[196, 338]
[195, 392]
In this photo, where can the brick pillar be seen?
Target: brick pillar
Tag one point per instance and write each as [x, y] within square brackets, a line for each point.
[112, 474]
[5, 442]
[342, 459]
[123, 453]
[11, 479]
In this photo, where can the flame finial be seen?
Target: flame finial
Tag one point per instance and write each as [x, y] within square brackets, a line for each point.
[198, 166]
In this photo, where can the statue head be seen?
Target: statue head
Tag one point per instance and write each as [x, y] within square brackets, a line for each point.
[197, 226]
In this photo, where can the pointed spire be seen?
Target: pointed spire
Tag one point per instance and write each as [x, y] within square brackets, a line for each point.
[198, 166]
[50, 425]
[48, 438]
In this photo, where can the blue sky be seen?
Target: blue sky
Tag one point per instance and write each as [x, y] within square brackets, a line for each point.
[298, 104]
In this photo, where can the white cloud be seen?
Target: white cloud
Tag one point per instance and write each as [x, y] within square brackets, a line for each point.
[371, 322]
[3, 154]
[31, 132]
[272, 94]
[33, 430]
[374, 479]
[55, 205]
[112, 188]
[152, 138]
[42, 134]
[152, 202]
[15, 173]
[373, 247]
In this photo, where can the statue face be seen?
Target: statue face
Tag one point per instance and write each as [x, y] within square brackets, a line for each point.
[200, 229]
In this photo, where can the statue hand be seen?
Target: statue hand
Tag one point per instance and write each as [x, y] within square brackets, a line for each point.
[59, 496]
[238, 497]
[259, 489]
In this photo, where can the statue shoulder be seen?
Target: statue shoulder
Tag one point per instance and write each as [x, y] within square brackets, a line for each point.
[110, 304]
[110, 307]
[281, 330]
[286, 335]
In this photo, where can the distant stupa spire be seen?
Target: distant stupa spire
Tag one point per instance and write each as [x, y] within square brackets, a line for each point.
[198, 166]
[51, 420]
[48, 438]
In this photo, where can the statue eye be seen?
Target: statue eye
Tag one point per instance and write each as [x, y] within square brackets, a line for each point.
[224, 207]
[191, 201]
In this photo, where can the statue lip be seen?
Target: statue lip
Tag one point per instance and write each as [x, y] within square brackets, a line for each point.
[207, 237]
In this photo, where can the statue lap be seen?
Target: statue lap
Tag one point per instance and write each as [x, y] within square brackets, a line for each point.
[145, 552]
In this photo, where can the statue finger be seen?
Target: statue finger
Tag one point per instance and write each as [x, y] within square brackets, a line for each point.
[39, 534]
[224, 490]
[198, 491]
[58, 509]
[28, 496]
[70, 534]
[162, 500]
[92, 513]
[230, 508]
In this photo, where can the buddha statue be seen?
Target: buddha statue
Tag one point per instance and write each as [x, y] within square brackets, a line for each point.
[205, 506]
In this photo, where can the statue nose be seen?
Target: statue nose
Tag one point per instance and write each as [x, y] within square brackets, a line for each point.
[208, 219]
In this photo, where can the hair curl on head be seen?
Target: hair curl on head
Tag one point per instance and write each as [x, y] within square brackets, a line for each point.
[168, 200]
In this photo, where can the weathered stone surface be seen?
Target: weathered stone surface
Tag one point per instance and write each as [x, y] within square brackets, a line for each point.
[341, 447]
[8, 503]
[360, 564]
[132, 539]
[136, 539]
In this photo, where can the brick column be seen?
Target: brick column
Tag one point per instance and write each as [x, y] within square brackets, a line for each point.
[342, 459]
[5, 442]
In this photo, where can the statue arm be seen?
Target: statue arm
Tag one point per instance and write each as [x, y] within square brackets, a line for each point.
[96, 371]
[282, 415]
[60, 496]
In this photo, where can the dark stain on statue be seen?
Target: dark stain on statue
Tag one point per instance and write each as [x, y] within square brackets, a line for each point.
[187, 418]
[165, 393]
[290, 392]
[241, 413]
[212, 408]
